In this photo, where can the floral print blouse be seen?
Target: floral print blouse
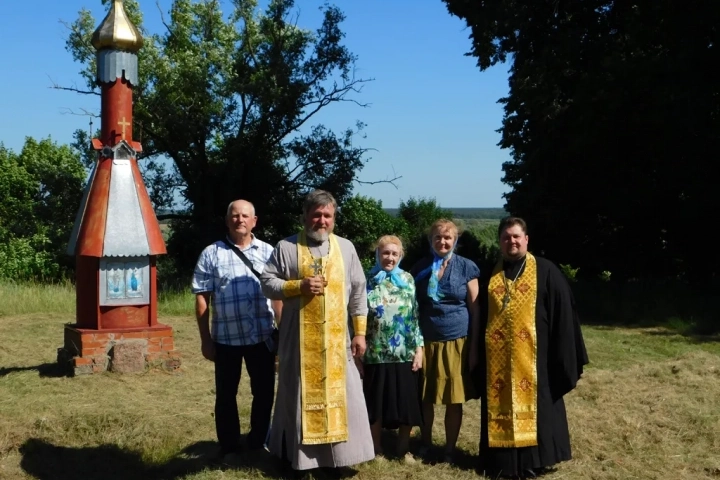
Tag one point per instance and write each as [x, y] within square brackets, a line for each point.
[393, 331]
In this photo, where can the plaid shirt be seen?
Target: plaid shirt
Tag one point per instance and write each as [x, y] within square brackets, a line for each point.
[241, 314]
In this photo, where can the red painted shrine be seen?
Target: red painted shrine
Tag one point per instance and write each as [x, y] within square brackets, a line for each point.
[116, 237]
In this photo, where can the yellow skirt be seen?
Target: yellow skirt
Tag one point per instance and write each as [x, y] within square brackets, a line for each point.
[446, 372]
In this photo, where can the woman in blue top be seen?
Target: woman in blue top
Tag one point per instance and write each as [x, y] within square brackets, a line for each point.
[447, 292]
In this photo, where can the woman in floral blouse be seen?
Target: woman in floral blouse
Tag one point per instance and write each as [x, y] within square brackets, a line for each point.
[394, 354]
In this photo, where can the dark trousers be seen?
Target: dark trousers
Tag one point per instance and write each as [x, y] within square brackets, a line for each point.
[260, 364]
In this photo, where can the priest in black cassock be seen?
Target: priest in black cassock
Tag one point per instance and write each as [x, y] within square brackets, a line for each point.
[532, 355]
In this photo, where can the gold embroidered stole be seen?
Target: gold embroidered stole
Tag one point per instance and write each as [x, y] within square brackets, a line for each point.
[323, 352]
[511, 354]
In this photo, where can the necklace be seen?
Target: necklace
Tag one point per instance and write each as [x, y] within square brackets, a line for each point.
[506, 297]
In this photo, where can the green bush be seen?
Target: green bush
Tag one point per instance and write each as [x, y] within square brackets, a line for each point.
[40, 192]
[28, 259]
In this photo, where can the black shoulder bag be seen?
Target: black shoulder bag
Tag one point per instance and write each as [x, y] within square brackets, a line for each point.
[275, 336]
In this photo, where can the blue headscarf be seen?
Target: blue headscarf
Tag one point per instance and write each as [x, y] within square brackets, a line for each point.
[379, 274]
[433, 270]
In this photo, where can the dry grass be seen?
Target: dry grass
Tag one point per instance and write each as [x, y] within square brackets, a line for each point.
[649, 407]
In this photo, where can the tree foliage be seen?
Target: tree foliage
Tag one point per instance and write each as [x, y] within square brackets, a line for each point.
[230, 101]
[612, 119]
[363, 220]
[419, 214]
[40, 191]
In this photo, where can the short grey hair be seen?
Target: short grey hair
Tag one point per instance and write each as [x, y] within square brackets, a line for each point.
[318, 198]
[229, 207]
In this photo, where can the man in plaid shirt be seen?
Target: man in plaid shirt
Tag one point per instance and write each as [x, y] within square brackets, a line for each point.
[242, 326]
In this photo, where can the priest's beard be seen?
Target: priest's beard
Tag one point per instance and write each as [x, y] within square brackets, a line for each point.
[319, 237]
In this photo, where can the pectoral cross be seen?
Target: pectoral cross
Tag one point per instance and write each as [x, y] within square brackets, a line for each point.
[506, 300]
[317, 266]
[124, 124]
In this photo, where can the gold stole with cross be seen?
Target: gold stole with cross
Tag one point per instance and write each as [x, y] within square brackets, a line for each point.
[323, 352]
[511, 355]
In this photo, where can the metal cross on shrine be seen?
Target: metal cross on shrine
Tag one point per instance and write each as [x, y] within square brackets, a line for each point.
[124, 124]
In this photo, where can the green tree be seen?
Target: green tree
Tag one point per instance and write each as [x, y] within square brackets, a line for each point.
[363, 220]
[231, 102]
[611, 116]
[16, 191]
[40, 191]
[419, 214]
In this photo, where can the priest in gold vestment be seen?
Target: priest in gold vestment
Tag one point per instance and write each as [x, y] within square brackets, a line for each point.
[532, 355]
[320, 417]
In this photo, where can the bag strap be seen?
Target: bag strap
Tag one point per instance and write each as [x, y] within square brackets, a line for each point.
[242, 256]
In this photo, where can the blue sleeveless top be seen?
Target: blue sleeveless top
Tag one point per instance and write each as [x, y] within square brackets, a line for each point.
[448, 318]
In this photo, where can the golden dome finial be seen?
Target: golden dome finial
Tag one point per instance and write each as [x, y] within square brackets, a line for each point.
[117, 31]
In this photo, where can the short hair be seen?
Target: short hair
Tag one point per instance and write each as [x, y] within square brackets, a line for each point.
[229, 207]
[318, 198]
[443, 224]
[390, 239]
[508, 222]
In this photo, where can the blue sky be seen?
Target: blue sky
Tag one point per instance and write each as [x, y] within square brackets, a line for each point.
[432, 115]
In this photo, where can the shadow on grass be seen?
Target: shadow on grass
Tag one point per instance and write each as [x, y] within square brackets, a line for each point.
[461, 459]
[47, 370]
[46, 461]
[669, 304]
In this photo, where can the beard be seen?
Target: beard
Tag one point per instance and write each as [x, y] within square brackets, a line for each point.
[319, 237]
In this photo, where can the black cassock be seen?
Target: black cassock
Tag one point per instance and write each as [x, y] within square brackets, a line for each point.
[561, 355]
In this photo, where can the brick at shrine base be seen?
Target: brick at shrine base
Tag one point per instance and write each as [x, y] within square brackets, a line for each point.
[88, 351]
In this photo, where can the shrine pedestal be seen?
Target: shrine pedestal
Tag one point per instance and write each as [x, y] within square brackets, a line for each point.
[122, 350]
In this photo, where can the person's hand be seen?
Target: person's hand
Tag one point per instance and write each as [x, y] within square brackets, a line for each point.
[208, 350]
[313, 285]
[357, 346]
[360, 367]
[417, 360]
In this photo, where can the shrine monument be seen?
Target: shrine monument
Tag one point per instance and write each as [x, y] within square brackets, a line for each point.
[116, 237]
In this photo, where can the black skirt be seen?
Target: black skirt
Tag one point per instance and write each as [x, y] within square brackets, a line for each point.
[392, 393]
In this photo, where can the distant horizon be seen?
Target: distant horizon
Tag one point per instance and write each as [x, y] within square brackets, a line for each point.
[167, 210]
[453, 208]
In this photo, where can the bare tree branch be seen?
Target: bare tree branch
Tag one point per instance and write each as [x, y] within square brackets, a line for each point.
[84, 112]
[162, 17]
[391, 181]
[335, 95]
[76, 90]
[56, 86]
[306, 168]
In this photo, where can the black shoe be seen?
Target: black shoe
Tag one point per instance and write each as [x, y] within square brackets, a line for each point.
[496, 474]
[338, 472]
[232, 459]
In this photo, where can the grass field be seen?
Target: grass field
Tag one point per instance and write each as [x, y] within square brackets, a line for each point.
[648, 407]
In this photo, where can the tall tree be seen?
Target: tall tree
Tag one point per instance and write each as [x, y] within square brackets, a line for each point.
[40, 191]
[231, 102]
[611, 119]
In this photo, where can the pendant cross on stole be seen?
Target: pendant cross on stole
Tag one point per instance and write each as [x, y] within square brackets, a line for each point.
[506, 297]
[505, 301]
[317, 266]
